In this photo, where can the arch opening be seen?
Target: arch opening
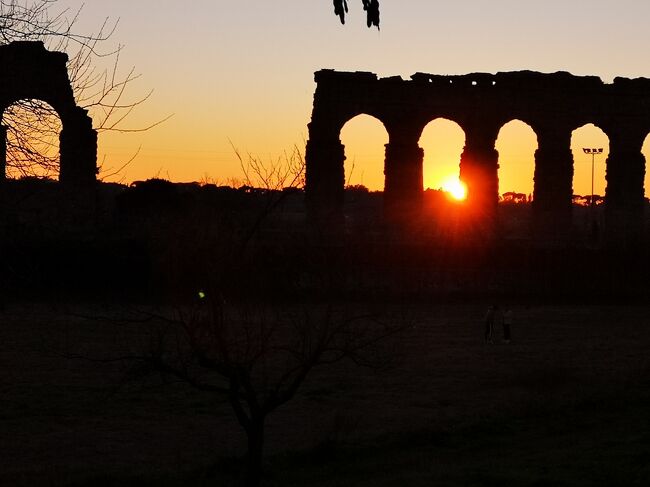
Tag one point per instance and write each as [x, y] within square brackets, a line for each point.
[364, 138]
[33, 140]
[442, 141]
[589, 137]
[590, 149]
[516, 144]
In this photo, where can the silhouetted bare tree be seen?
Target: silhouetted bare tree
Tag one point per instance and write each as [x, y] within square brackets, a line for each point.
[370, 6]
[252, 354]
[34, 126]
[257, 356]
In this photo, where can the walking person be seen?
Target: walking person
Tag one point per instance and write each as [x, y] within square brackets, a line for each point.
[490, 317]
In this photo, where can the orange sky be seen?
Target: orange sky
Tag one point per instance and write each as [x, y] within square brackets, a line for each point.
[242, 73]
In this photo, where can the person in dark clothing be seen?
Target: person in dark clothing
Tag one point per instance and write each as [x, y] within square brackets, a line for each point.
[490, 318]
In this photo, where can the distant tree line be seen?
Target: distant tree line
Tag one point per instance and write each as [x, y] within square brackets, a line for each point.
[587, 200]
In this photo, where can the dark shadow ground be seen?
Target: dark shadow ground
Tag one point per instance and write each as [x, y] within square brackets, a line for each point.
[564, 404]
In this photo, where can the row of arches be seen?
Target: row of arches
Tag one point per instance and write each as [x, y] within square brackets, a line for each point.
[364, 138]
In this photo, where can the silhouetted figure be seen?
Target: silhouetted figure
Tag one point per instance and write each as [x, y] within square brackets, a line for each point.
[490, 318]
[508, 318]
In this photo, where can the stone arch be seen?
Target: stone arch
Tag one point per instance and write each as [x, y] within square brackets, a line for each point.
[516, 144]
[442, 140]
[346, 117]
[364, 138]
[32, 72]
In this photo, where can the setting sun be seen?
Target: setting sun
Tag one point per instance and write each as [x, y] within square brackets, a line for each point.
[456, 188]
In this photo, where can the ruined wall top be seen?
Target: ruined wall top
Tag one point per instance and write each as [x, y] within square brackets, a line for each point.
[509, 80]
[29, 71]
[30, 52]
[539, 99]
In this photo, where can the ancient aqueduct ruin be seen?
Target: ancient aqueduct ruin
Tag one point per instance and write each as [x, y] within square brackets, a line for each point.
[29, 71]
[553, 105]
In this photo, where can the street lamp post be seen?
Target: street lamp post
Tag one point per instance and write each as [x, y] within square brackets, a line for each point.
[594, 225]
[593, 152]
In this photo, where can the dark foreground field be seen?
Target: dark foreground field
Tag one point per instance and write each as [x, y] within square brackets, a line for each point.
[566, 403]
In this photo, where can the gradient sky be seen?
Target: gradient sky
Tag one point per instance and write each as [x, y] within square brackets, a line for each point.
[242, 71]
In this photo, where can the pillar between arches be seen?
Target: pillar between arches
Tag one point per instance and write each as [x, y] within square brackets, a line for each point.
[78, 148]
[325, 179]
[3, 153]
[553, 187]
[404, 183]
[624, 197]
[479, 164]
[78, 170]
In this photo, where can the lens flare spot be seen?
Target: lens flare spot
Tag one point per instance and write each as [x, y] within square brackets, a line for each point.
[455, 188]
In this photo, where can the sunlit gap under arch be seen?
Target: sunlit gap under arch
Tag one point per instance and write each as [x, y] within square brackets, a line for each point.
[442, 141]
[516, 144]
[33, 134]
[365, 139]
[589, 136]
[588, 207]
[645, 150]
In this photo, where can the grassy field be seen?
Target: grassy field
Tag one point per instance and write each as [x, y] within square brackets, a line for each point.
[566, 403]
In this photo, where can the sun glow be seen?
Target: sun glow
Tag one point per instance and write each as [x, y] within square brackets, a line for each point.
[456, 188]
